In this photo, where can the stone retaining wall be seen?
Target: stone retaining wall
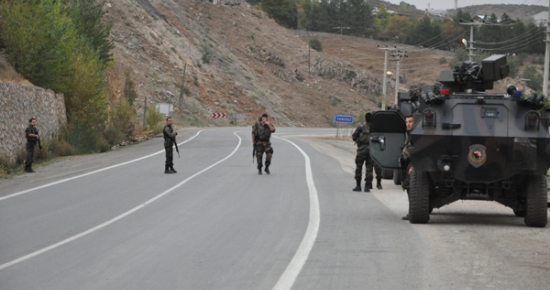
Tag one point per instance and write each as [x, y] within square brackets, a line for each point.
[18, 103]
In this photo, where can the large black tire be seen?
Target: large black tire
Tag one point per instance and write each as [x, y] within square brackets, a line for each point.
[419, 198]
[397, 176]
[387, 174]
[536, 209]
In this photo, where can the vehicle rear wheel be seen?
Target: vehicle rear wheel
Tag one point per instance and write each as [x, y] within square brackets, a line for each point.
[536, 210]
[397, 176]
[419, 197]
[387, 174]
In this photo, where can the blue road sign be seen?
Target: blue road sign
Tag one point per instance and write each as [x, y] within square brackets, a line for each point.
[343, 119]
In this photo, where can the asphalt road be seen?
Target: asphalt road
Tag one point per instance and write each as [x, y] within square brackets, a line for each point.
[116, 221]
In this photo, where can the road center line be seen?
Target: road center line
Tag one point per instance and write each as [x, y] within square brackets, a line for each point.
[291, 272]
[96, 228]
[91, 172]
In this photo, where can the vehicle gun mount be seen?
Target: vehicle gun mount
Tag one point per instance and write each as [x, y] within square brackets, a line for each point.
[475, 77]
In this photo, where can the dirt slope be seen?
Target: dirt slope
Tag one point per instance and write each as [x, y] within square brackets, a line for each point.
[237, 60]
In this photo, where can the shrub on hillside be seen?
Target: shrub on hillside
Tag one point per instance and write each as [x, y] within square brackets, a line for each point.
[122, 122]
[153, 119]
[81, 138]
[206, 54]
[513, 64]
[60, 147]
[316, 44]
[534, 78]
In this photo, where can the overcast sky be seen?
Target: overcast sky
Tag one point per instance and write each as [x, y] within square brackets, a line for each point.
[450, 4]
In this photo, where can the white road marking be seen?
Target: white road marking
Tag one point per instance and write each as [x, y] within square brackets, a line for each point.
[291, 272]
[46, 249]
[92, 172]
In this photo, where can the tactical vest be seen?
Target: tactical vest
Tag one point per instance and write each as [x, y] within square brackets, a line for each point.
[261, 132]
[31, 130]
[166, 137]
[364, 136]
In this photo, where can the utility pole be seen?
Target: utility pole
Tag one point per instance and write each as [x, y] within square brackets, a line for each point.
[546, 55]
[308, 52]
[384, 80]
[145, 112]
[398, 57]
[341, 29]
[471, 48]
[180, 105]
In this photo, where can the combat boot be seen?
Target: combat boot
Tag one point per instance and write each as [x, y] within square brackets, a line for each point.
[379, 182]
[172, 169]
[267, 170]
[167, 170]
[358, 187]
[259, 170]
[368, 186]
[29, 169]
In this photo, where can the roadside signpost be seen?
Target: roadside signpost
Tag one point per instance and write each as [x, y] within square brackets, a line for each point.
[238, 116]
[342, 119]
[218, 115]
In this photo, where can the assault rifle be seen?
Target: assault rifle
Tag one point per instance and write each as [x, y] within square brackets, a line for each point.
[254, 147]
[176, 144]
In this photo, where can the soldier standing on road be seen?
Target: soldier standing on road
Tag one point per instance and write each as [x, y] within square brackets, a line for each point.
[169, 140]
[406, 159]
[31, 133]
[361, 136]
[261, 132]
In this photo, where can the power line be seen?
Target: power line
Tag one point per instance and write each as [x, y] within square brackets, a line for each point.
[520, 37]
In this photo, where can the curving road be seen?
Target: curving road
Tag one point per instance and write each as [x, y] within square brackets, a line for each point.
[116, 221]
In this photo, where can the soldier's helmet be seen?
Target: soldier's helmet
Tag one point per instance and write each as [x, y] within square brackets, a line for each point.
[368, 116]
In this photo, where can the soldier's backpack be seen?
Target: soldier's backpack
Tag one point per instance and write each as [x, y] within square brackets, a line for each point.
[364, 135]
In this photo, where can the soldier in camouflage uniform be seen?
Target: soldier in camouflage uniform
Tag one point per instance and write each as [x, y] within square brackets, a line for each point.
[361, 137]
[261, 132]
[406, 159]
[169, 140]
[31, 133]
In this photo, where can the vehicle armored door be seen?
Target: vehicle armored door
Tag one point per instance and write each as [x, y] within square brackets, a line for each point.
[387, 136]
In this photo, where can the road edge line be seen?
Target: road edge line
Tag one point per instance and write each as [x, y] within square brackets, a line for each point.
[289, 276]
[119, 217]
[91, 172]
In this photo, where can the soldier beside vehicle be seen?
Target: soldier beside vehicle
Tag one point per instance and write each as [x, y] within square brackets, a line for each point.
[405, 160]
[361, 137]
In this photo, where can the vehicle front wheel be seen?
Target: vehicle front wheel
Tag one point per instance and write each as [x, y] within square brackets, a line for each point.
[536, 208]
[419, 197]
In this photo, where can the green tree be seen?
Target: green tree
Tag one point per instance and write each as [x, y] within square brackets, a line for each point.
[283, 11]
[534, 78]
[39, 40]
[129, 89]
[86, 16]
[44, 46]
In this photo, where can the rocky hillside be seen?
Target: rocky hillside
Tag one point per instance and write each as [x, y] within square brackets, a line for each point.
[237, 60]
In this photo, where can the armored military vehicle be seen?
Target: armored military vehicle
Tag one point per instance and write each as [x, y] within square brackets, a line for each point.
[470, 145]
